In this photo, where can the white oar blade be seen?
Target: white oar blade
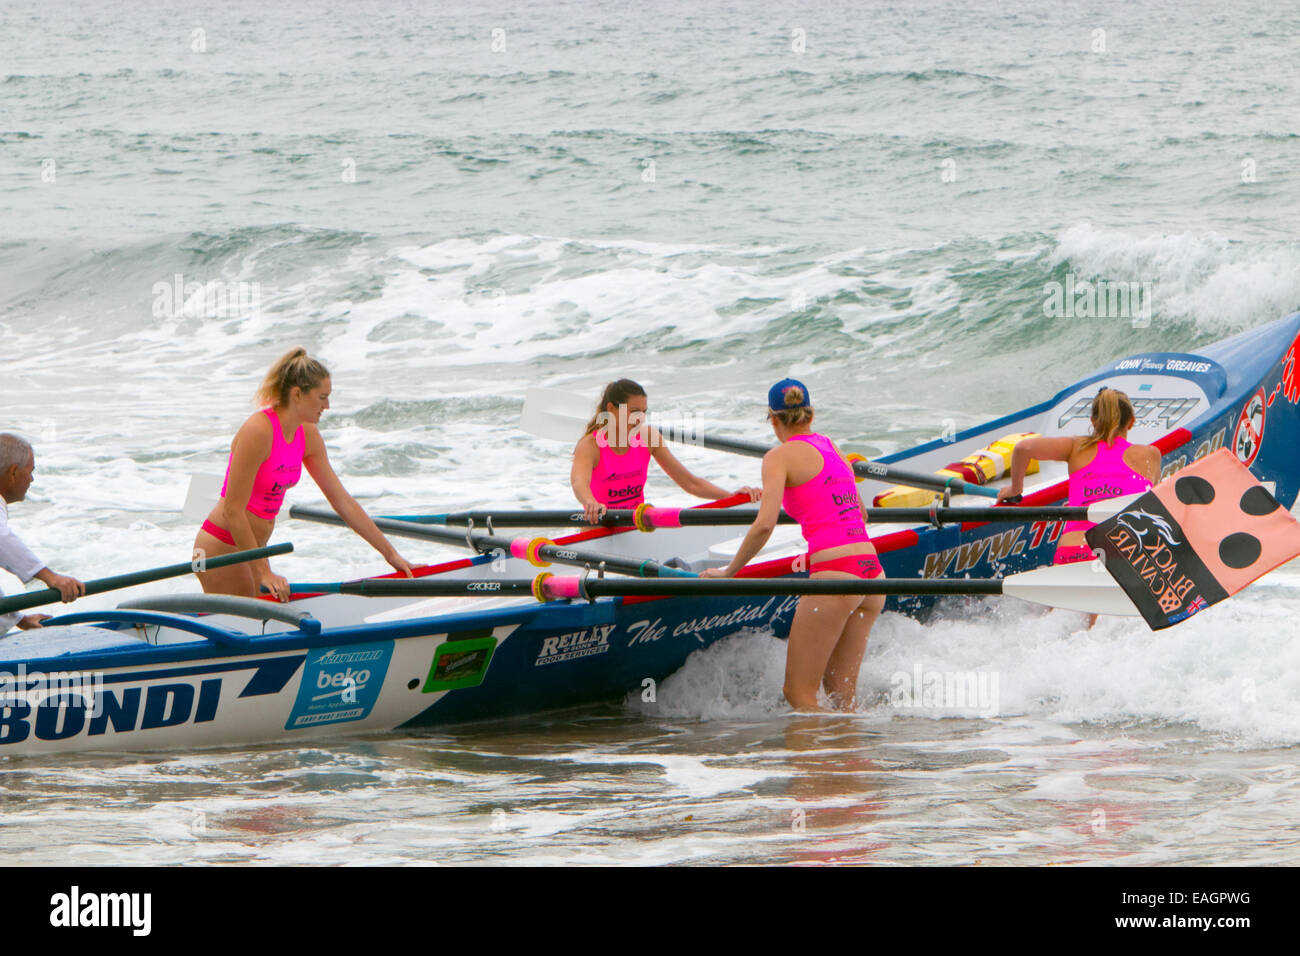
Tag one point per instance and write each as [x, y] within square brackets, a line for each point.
[551, 413]
[1109, 508]
[203, 494]
[1083, 586]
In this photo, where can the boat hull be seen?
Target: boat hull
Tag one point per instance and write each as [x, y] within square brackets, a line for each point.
[358, 679]
[158, 683]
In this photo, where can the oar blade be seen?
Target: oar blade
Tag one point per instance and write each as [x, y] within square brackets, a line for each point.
[1110, 507]
[551, 413]
[1082, 586]
[203, 494]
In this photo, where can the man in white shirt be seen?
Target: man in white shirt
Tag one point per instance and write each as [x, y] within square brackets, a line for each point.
[17, 462]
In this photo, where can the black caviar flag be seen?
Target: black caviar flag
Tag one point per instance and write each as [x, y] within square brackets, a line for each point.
[1194, 539]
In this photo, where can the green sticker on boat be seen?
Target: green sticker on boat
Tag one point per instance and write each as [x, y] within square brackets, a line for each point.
[460, 662]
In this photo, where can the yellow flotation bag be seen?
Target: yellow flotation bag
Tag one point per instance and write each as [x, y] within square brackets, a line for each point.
[979, 468]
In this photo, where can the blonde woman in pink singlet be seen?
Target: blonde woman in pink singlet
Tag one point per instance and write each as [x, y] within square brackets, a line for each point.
[1102, 465]
[814, 482]
[612, 459]
[266, 460]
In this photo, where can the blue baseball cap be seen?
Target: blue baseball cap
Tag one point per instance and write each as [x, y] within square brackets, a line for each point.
[776, 395]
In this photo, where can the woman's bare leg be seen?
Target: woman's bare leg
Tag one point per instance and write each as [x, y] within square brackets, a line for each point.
[841, 677]
[818, 623]
[234, 579]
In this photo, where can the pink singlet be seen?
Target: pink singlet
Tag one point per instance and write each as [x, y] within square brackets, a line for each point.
[618, 481]
[1106, 476]
[826, 506]
[280, 472]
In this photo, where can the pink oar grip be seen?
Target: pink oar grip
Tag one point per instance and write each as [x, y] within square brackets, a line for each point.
[519, 548]
[558, 587]
[664, 517]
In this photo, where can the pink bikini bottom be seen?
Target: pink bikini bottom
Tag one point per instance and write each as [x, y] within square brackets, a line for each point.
[864, 566]
[1071, 553]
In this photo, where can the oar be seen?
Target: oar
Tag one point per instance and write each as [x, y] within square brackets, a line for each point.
[537, 551]
[552, 414]
[689, 517]
[1083, 586]
[20, 602]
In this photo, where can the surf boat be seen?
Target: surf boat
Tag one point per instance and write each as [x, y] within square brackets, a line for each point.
[186, 671]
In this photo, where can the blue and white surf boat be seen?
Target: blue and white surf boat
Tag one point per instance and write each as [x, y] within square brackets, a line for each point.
[187, 671]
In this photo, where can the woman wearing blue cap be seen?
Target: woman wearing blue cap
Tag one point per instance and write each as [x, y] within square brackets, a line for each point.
[612, 459]
[807, 475]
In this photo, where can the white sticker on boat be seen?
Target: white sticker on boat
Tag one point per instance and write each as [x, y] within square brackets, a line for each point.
[567, 647]
[340, 684]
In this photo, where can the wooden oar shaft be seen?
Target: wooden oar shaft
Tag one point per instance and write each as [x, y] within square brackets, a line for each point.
[21, 602]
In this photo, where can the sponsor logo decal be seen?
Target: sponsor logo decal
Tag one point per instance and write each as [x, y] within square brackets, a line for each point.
[995, 547]
[626, 493]
[51, 707]
[568, 647]
[59, 717]
[647, 631]
[340, 684]
[1150, 412]
[1249, 433]
[1093, 493]
[1166, 365]
[1146, 549]
[1290, 380]
[461, 661]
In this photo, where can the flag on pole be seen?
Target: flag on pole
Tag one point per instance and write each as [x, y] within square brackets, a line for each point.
[1196, 538]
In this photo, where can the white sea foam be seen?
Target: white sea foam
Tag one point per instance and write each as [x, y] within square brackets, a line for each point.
[1232, 669]
[1222, 285]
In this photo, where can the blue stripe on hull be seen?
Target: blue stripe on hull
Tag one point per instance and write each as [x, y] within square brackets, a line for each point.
[547, 669]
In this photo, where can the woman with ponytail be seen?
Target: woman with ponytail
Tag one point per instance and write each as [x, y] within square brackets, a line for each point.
[266, 460]
[814, 482]
[1102, 465]
[612, 459]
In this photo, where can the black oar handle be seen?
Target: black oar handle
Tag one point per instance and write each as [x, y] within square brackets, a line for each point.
[20, 602]
[550, 552]
[624, 517]
[405, 587]
[697, 587]
[673, 587]
[863, 469]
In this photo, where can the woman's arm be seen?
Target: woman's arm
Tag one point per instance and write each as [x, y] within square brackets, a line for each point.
[316, 461]
[774, 472]
[688, 482]
[250, 447]
[1041, 448]
[1149, 463]
[585, 457]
